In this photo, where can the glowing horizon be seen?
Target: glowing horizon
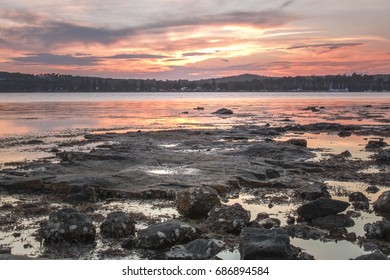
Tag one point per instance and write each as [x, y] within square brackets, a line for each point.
[167, 39]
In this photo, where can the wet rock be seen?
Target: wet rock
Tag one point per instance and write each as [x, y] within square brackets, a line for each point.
[383, 157]
[262, 216]
[382, 204]
[81, 194]
[311, 108]
[21, 185]
[369, 246]
[320, 208]
[344, 133]
[333, 221]
[199, 108]
[290, 220]
[260, 244]
[354, 214]
[304, 231]
[272, 173]
[359, 201]
[373, 144]
[268, 222]
[378, 230]
[350, 236]
[199, 249]
[345, 154]
[223, 111]
[118, 225]
[229, 219]
[168, 234]
[297, 142]
[197, 202]
[305, 256]
[312, 192]
[128, 243]
[373, 256]
[68, 225]
[372, 189]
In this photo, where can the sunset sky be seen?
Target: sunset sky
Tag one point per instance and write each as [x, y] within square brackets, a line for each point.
[180, 39]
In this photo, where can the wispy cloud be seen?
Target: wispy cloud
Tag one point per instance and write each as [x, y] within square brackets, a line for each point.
[327, 46]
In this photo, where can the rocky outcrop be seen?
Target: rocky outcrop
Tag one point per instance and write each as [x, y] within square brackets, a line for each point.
[265, 244]
[197, 202]
[382, 204]
[118, 225]
[229, 219]
[373, 144]
[68, 225]
[297, 142]
[321, 207]
[165, 235]
[199, 249]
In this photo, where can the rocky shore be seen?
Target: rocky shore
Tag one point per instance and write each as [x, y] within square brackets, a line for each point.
[249, 192]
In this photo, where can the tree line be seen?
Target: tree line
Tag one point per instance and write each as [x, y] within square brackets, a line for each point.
[17, 82]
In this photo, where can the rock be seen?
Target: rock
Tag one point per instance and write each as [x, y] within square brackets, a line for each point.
[128, 243]
[260, 244]
[321, 207]
[290, 220]
[382, 204]
[311, 108]
[199, 108]
[68, 225]
[199, 249]
[197, 202]
[118, 225]
[378, 230]
[344, 133]
[230, 219]
[369, 246]
[345, 154]
[359, 201]
[167, 234]
[372, 189]
[383, 156]
[272, 173]
[333, 221]
[350, 236]
[305, 256]
[262, 216]
[373, 256]
[372, 145]
[223, 111]
[268, 222]
[79, 194]
[312, 192]
[22, 185]
[354, 214]
[297, 142]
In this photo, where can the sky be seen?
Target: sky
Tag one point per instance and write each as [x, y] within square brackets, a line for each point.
[180, 39]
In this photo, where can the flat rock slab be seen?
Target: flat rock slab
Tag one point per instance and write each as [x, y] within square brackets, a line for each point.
[199, 249]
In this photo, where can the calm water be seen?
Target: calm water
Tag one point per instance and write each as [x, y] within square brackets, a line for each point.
[37, 113]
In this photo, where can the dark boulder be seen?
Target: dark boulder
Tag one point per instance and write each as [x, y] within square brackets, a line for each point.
[372, 145]
[268, 222]
[199, 249]
[297, 142]
[321, 207]
[312, 192]
[383, 156]
[345, 154]
[378, 255]
[378, 230]
[359, 201]
[333, 221]
[382, 204]
[229, 219]
[223, 111]
[80, 194]
[263, 244]
[372, 189]
[197, 202]
[344, 133]
[68, 225]
[118, 225]
[168, 234]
